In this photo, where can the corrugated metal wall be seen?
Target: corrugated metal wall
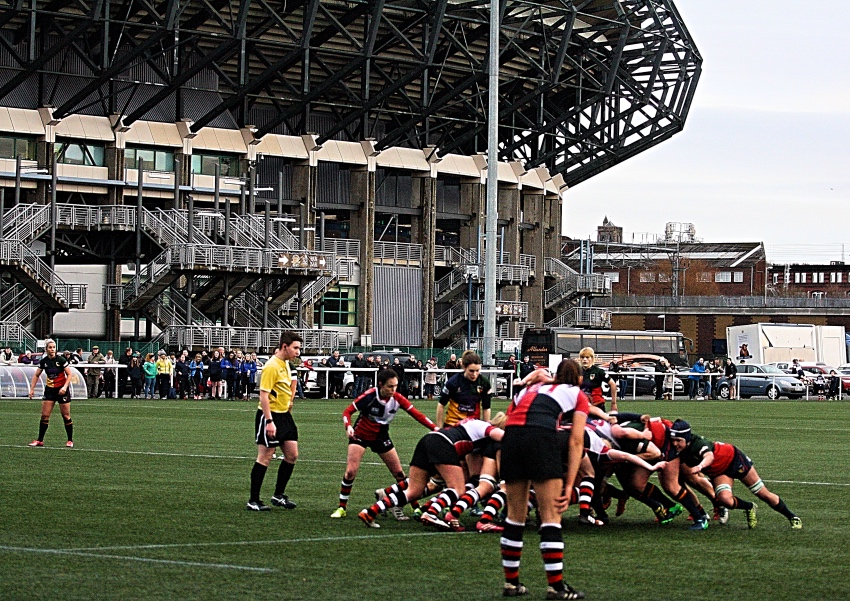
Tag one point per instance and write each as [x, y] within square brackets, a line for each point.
[398, 306]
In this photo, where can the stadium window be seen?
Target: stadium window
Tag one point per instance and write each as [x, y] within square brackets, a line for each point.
[723, 277]
[738, 277]
[204, 164]
[339, 307]
[76, 153]
[12, 148]
[156, 159]
[704, 276]
[647, 276]
[614, 276]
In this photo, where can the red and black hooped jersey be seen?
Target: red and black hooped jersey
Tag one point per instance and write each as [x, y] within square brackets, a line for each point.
[467, 436]
[377, 413]
[542, 406]
[54, 370]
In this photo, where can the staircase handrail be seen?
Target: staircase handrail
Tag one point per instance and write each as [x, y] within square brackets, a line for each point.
[24, 220]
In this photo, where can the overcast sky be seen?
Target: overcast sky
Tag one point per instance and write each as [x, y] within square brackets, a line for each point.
[765, 153]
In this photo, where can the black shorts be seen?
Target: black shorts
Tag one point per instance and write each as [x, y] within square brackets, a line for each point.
[740, 466]
[530, 453]
[491, 449]
[286, 429]
[53, 394]
[380, 445]
[432, 450]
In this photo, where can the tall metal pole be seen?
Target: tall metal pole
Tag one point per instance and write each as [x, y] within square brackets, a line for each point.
[54, 212]
[489, 346]
[18, 180]
[140, 168]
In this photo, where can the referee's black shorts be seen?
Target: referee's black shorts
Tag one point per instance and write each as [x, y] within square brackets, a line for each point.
[286, 429]
[530, 454]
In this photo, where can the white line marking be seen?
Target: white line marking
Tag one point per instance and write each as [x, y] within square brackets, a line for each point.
[81, 553]
[809, 483]
[257, 542]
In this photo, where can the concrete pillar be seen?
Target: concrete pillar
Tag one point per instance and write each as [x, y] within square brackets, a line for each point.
[472, 200]
[509, 215]
[304, 186]
[533, 243]
[363, 228]
[424, 226]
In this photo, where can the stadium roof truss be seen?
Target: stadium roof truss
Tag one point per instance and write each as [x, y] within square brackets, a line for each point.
[583, 84]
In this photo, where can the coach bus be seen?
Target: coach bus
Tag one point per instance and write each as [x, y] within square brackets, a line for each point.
[539, 343]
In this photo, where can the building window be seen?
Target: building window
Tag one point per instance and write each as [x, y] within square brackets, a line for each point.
[156, 159]
[817, 278]
[723, 276]
[647, 276]
[799, 278]
[836, 277]
[818, 294]
[704, 276]
[12, 148]
[664, 277]
[775, 278]
[204, 164]
[614, 276]
[738, 277]
[339, 307]
[74, 153]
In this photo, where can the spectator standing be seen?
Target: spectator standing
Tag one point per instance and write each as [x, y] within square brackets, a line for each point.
[109, 375]
[149, 369]
[430, 378]
[228, 370]
[164, 371]
[526, 367]
[196, 373]
[510, 365]
[360, 377]
[215, 373]
[136, 376]
[123, 378]
[181, 374]
[399, 369]
[336, 377]
[93, 374]
[452, 363]
[731, 373]
[697, 371]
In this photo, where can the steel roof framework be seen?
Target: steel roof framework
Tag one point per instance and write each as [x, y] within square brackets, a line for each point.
[583, 84]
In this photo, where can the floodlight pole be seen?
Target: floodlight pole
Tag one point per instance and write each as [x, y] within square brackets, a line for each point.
[489, 345]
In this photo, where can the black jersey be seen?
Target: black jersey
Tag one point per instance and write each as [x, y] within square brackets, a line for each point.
[54, 370]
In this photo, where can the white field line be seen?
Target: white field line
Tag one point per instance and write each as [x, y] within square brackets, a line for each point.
[282, 541]
[85, 553]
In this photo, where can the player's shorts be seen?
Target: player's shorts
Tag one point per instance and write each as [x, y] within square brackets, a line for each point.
[491, 448]
[53, 394]
[740, 466]
[432, 450]
[286, 429]
[380, 445]
[530, 453]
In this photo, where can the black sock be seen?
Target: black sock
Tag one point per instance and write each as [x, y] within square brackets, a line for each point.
[257, 474]
[690, 502]
[42, 428]
[742, 504]
[659, 497]
[69, 429]
[781, 508]
[284, 472]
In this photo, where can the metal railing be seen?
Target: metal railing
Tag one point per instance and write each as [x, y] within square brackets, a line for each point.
[743, 302]
[449, 255]
[529, 261]
[24, 221]
[346, 248]
[255, 338]
[587, 317]
[170, 309]
[68, 295]
[13, 331]
[18, 305]
[459, 311]
[449, 282]
[395, 252]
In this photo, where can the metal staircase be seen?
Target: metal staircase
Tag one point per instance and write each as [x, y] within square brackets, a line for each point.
[457, 314]
[582, 317]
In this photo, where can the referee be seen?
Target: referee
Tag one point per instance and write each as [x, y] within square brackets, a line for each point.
[274, 425]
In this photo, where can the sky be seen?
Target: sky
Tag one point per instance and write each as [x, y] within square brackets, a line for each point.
[765, 152]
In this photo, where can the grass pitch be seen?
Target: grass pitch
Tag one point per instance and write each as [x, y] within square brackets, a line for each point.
[150, 505]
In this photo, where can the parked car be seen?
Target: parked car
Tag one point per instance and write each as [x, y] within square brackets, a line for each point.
[644, 381]
[763, 380]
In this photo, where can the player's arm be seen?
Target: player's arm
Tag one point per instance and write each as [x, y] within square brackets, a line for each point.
[68, 376]
[576, 445]
[445, 395]
[346, 418]
[595, 411]
[623, 456]
[35, 378]
[486, 402]
[613, 386]
[707, 459]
